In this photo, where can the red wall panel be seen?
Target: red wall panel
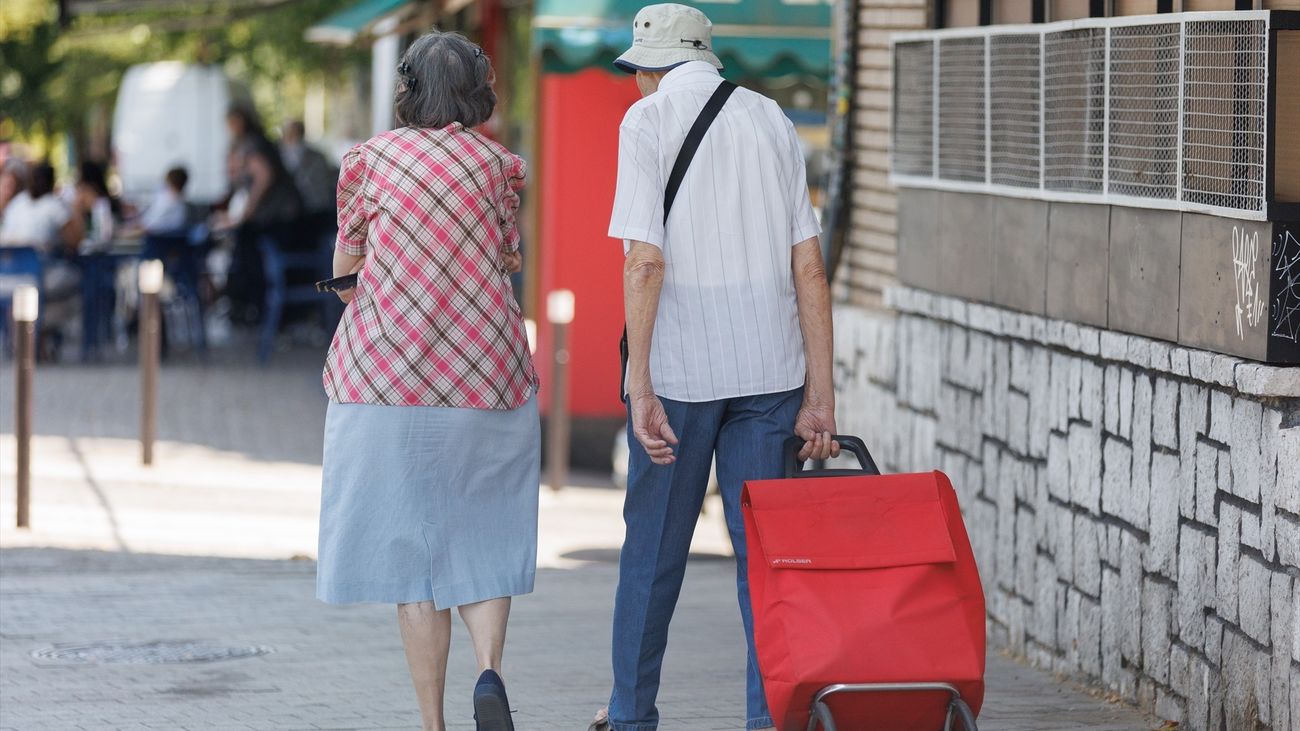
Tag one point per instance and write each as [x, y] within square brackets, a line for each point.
[580, 115]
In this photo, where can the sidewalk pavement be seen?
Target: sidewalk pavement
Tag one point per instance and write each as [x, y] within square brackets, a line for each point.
[214, 543]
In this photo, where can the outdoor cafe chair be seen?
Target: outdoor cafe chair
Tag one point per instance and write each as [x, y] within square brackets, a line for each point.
[19, 265]
[277, 264]
[182, 254]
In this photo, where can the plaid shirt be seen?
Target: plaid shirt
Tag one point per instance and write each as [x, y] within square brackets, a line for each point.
[434, 321]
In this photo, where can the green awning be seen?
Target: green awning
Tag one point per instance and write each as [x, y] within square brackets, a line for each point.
[345, 26]
[753, 38]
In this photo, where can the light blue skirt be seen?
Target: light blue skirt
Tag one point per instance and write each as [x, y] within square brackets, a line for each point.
[420, 503]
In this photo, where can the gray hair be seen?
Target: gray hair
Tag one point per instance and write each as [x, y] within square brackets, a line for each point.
[444, 78]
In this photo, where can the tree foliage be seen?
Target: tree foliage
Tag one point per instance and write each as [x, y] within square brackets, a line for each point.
[52, 74]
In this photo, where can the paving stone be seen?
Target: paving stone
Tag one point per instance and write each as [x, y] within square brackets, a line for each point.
[1112, 399]
[1085, 467]
[1166, 485]
[1087, 545]
[1254, 582]
[1247, 419]
[1179, 362]
[1130, 587]
[1117, 475]
[1114, 345]
[1207, 482]
[1090, 382]
[1220, 416]
[1164, 409]
[1058, 467]
[1196, 585]
[1229, 551]
[1288, 470]
[1157, 602]
[1193, 410]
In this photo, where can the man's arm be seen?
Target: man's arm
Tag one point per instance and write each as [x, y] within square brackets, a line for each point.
[643, 280]
[816, 421]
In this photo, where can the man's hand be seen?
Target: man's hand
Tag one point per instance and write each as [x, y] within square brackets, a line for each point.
[651, 429]
[816, 425]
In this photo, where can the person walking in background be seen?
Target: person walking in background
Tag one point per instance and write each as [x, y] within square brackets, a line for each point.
[270, 206]
[312, 173]
[432, 438]
[728, 333]
[92, 200]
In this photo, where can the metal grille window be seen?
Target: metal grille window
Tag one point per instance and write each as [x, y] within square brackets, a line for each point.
[913, 150]
[1074, 110]
[961, 109]
[1144, 89]
[1167, 112]
[1015, 125]
[1224, 115]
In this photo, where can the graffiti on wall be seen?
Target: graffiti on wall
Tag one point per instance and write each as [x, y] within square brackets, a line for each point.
[1250, 292]
[1285, 308]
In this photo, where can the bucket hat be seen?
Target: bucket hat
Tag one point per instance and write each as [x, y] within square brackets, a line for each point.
[666, 35]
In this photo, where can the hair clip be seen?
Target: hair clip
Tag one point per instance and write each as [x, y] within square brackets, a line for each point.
[404, 69]
[478, 51]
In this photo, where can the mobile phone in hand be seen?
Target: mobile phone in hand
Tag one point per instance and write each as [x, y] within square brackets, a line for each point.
[337, 284]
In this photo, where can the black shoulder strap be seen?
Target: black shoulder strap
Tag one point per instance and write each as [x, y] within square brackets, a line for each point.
[692, 141]
[683, 161]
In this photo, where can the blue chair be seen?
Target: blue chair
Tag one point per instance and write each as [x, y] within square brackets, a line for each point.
[18, 265]
[276, 266]
[182, 255]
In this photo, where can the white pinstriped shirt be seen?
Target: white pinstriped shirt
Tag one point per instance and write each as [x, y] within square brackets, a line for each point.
[727, 324]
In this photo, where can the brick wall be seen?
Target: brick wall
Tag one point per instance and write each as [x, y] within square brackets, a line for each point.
[867, 263]
[1134, 506]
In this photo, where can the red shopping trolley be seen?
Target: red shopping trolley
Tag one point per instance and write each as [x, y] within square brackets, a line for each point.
[868, 609]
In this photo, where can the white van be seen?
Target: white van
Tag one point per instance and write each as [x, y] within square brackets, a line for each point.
[169, 114]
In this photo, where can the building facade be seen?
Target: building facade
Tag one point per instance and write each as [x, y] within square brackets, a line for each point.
[1071, 281]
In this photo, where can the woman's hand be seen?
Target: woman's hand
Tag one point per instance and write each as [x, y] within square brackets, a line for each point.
[348, 294]
[513, 262]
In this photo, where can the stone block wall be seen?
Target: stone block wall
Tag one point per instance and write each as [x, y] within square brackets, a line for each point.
[1134, 505]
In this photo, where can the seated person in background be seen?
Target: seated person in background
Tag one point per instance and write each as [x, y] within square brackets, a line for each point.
[12, 182]
[37, 218]
[167, 212]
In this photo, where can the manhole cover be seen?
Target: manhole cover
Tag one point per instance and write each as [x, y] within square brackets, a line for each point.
[146, 653]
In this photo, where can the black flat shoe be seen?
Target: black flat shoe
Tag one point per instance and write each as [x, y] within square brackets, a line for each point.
[491, 707]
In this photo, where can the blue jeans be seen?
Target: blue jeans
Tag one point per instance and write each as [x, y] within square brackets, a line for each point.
[661, 510]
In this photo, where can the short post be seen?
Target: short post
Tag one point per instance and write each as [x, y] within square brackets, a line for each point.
[151, 279]
[559, 311]
[26, 306]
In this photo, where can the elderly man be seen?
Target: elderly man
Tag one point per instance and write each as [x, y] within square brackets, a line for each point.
[728, 329]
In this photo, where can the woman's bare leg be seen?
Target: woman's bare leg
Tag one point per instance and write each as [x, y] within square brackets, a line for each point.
[426, 634]
[486, 622]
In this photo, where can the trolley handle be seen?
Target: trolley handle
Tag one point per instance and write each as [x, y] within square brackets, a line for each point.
[794, 466]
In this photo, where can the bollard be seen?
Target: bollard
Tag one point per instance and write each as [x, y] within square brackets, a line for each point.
[26, 306]
[151, 279]
[559, 311]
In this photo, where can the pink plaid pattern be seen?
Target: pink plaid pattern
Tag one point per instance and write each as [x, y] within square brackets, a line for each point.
[434, 321]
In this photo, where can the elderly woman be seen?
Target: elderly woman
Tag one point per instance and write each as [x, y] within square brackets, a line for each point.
[430, 485]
